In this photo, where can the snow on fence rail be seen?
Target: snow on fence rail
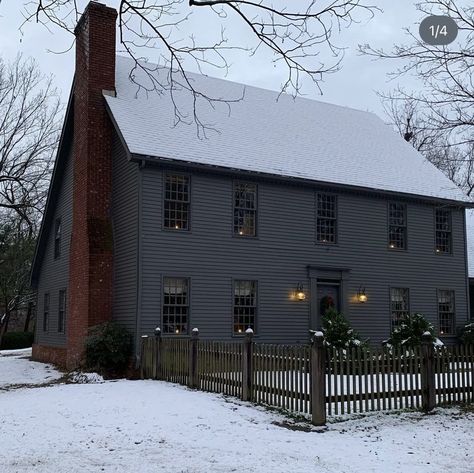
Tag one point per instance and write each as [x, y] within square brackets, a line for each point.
[315, 380]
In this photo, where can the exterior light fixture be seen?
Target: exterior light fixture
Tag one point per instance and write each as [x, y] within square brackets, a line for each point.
[299, 294]
[361, 295]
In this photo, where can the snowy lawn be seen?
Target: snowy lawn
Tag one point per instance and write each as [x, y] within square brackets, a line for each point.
[16, 368]
[151, 426]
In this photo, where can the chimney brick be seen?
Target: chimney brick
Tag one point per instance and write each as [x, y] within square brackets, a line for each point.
[91, 254]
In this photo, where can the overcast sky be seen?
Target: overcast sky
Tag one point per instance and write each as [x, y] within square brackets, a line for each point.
[355, 85]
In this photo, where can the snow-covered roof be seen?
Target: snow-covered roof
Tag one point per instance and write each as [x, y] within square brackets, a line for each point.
[470, 241]
[297, 138]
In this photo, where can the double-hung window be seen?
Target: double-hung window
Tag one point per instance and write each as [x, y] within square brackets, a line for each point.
[46, 312]
[446, 311]
[175, 305]
[397, 226]
[62, 311]
[245, 305]
[177, 202]
[443, 231]
[399, 304]
[326, 218]
[245, 209]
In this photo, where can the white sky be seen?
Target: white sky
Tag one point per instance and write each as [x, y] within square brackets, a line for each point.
[355, 85]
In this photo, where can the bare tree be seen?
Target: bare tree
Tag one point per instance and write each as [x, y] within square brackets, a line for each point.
[29, 131]
[152, 29]
[440, 117]
[456, 161]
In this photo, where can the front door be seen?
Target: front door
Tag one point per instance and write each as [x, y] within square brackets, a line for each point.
[328, 298]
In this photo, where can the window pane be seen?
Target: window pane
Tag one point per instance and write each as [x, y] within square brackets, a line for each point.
[446, 312]
[397, 230]
[326, 218]
[399, 304]
[245, 209]
[176, 204]
[175, 305]
[245, 305]
[443, 231]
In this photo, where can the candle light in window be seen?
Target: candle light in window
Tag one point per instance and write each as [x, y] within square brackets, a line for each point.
[241, 232]
[240, 330]
[177, 227]
[177, 330]
[437, 250]
[392, 245]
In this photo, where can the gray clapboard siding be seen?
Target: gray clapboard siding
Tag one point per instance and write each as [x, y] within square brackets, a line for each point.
[278, 258]
[125, 229]
[54, 273]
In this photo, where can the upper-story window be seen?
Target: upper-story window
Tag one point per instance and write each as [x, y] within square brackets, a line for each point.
[46, 312]
[446, 313]
[399, 304]
[245, 209]
[397, 226]
[177, 202]
[443, 231]
[62, 311]
[175, 305]
[57, 237]
[245, 305]
[326, 218]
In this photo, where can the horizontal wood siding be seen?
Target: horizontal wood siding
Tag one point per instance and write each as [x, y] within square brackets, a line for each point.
[278, 258]
[54, 274]
[125, 227]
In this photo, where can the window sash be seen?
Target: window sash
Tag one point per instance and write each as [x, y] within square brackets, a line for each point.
[245, 209]
[326, 218]
[175, 315]
[46, 312]
[245, 305]
[399, 304]
[397, 226]
[176, 211]
[443, 229]
[57, 238]
[446, 311]
[62, 311]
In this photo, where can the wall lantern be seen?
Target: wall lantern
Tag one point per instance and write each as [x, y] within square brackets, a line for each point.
[299, 293]
[361, 295]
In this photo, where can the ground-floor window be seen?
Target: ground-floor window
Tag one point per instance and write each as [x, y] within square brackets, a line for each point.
[62, 310]
[399, 304]
[46, 312]
[175, 305]
[446, 312]
[245, 305]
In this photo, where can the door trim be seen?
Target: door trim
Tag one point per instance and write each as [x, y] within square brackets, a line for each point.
[339, 276]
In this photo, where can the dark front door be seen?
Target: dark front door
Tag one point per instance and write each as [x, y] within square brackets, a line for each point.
[328, 298]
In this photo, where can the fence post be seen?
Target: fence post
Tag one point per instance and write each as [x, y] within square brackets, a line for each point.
[247, 366]
[193, 378]
[318, 379]
[427, 373]
[143, 340]
[157, 372]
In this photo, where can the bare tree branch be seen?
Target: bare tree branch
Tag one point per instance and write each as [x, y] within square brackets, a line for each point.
[150, 31]
[29, 132]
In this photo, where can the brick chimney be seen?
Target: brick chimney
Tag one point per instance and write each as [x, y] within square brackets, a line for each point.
[91, 254]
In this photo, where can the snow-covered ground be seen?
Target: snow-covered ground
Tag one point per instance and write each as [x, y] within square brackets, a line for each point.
[151, 426]
[17, 369]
